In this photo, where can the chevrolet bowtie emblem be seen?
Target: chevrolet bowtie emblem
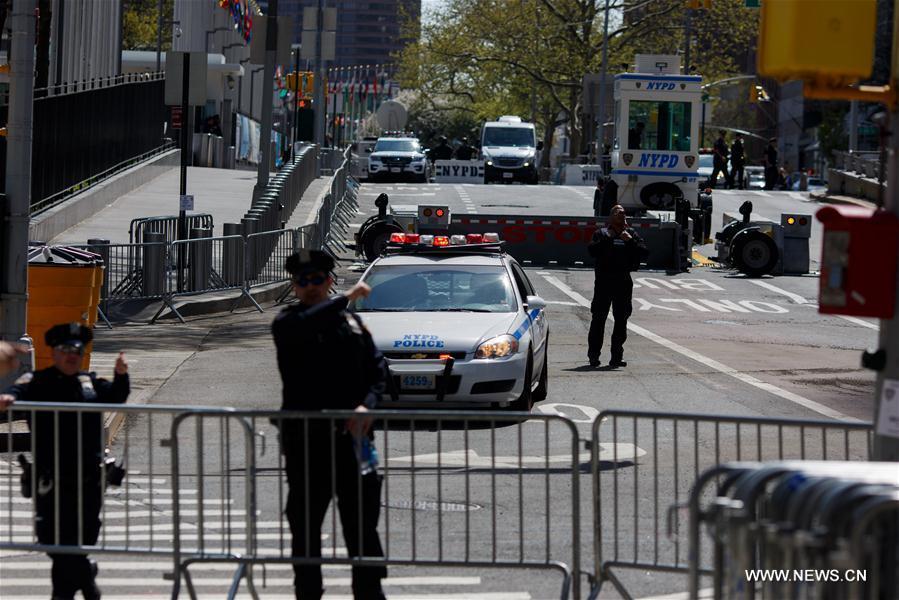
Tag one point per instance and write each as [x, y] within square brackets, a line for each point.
[419, 355]
[627, 158]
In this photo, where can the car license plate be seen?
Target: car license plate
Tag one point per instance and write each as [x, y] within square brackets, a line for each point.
[418, 382]
[395, 170]
[508, 175]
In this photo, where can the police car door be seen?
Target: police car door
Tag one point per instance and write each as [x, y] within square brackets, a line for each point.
[537, 317]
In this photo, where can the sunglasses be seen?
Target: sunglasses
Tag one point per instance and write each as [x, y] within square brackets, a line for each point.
[314, 279]
[70, 349]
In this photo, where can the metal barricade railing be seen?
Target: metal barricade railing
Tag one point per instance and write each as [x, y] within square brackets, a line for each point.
[644, 464]
[803, 529]
[277, 245]
[137, 514]
[132, 271]
[211, 264]
[167, 225]
[459, 489]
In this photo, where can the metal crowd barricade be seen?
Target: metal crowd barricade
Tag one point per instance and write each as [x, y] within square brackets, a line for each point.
[214, 264]
[279, 245]
[137, 515]
[459, 489]
[801, 529]
[644, 462]
[167, 225]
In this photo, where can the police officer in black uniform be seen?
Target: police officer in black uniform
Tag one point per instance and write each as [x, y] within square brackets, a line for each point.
[465, 151]
[720, 160]
[328, 360]
[443, 151]
[618, 250]
[78, 465]
[737, 162]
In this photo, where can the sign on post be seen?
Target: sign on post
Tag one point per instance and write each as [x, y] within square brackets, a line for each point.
[174, 74]
[187, 202]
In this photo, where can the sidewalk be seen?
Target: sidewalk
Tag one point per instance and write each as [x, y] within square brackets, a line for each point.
[829, 198]
[225, 194]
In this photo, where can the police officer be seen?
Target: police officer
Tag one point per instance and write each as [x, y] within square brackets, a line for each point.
[328, 360]
[77, 464]
[737, 162]
[465, 151]
[443, 151]
[720, 160]
[618, 250]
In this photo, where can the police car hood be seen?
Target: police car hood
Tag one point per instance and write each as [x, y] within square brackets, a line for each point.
[397, 153]
[508, 151]
[435, 331]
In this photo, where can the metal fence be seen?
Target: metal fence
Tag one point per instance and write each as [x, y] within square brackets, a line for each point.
[84, 136]
[166, 225]
[791, 530]
[640, 508]
[478, 489]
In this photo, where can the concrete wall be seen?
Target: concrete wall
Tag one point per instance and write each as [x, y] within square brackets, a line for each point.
[50, 223]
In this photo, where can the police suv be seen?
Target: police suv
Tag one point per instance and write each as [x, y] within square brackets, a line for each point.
[458, 321]
[397, 159]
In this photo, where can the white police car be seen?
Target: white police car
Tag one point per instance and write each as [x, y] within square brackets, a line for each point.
[458, 321]
[396, 159]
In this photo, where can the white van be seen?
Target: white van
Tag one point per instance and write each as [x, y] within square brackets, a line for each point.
[510, 150]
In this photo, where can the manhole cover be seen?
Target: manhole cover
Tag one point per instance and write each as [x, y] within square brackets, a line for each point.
[431, 505]
[505, 206]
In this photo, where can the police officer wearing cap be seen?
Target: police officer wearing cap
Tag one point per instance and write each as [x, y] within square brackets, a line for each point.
[328, 360]
[618, 250]
[76, 459]
[465, 151]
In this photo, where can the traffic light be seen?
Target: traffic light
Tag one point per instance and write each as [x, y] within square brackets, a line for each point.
[838, 52]
[292, 82]
[308, 83]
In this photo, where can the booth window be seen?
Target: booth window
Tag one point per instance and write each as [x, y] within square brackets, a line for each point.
[654, 125]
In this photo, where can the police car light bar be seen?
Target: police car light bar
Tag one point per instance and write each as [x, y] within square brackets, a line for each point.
[422, 241]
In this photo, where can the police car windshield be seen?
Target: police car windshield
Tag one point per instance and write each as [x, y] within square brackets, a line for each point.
[397, 146]
[457, 288]
[509, 136]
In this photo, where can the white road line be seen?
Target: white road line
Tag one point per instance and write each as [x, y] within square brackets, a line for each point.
[759, 193]
[768, 286]
[704, 594]
[712, 363]
[800, 300]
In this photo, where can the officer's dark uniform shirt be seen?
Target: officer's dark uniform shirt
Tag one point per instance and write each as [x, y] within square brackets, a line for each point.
[442, 152]
[51, 385]
[616, 257]
[771, 155]
[326, 358]
[721, 151]
[464, 152]
[737, 157]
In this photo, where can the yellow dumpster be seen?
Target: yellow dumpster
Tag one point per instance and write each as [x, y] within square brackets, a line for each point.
[63, 287]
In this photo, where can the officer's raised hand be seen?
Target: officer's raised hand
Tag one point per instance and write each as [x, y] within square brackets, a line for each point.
[360, 290]
[121, 365]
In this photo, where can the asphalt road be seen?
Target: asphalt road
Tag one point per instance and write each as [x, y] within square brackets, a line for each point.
[709, 342]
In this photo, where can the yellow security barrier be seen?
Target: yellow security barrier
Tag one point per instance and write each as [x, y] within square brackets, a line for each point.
[63, 287]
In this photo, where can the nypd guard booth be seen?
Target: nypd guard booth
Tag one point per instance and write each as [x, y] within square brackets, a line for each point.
[656, 147]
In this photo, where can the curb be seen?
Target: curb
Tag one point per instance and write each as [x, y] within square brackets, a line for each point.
[844, 200]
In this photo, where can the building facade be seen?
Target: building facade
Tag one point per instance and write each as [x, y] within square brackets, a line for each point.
[368, 33]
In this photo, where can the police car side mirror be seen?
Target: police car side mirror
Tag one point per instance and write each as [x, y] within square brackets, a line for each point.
[535, 302]
[368, 150]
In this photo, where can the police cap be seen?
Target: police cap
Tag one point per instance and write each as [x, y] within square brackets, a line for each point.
[306, 261]
[73, 334]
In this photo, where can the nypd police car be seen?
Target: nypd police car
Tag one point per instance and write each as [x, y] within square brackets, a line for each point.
[458, 321]
[396, 159]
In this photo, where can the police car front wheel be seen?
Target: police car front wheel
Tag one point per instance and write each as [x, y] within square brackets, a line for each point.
[525, 401]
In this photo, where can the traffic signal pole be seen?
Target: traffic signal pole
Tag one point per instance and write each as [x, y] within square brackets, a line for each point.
[886, 447]
[14, 212]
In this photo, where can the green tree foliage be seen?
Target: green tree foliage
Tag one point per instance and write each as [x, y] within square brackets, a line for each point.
[832, 134]
[139, 21]
[528, 57]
